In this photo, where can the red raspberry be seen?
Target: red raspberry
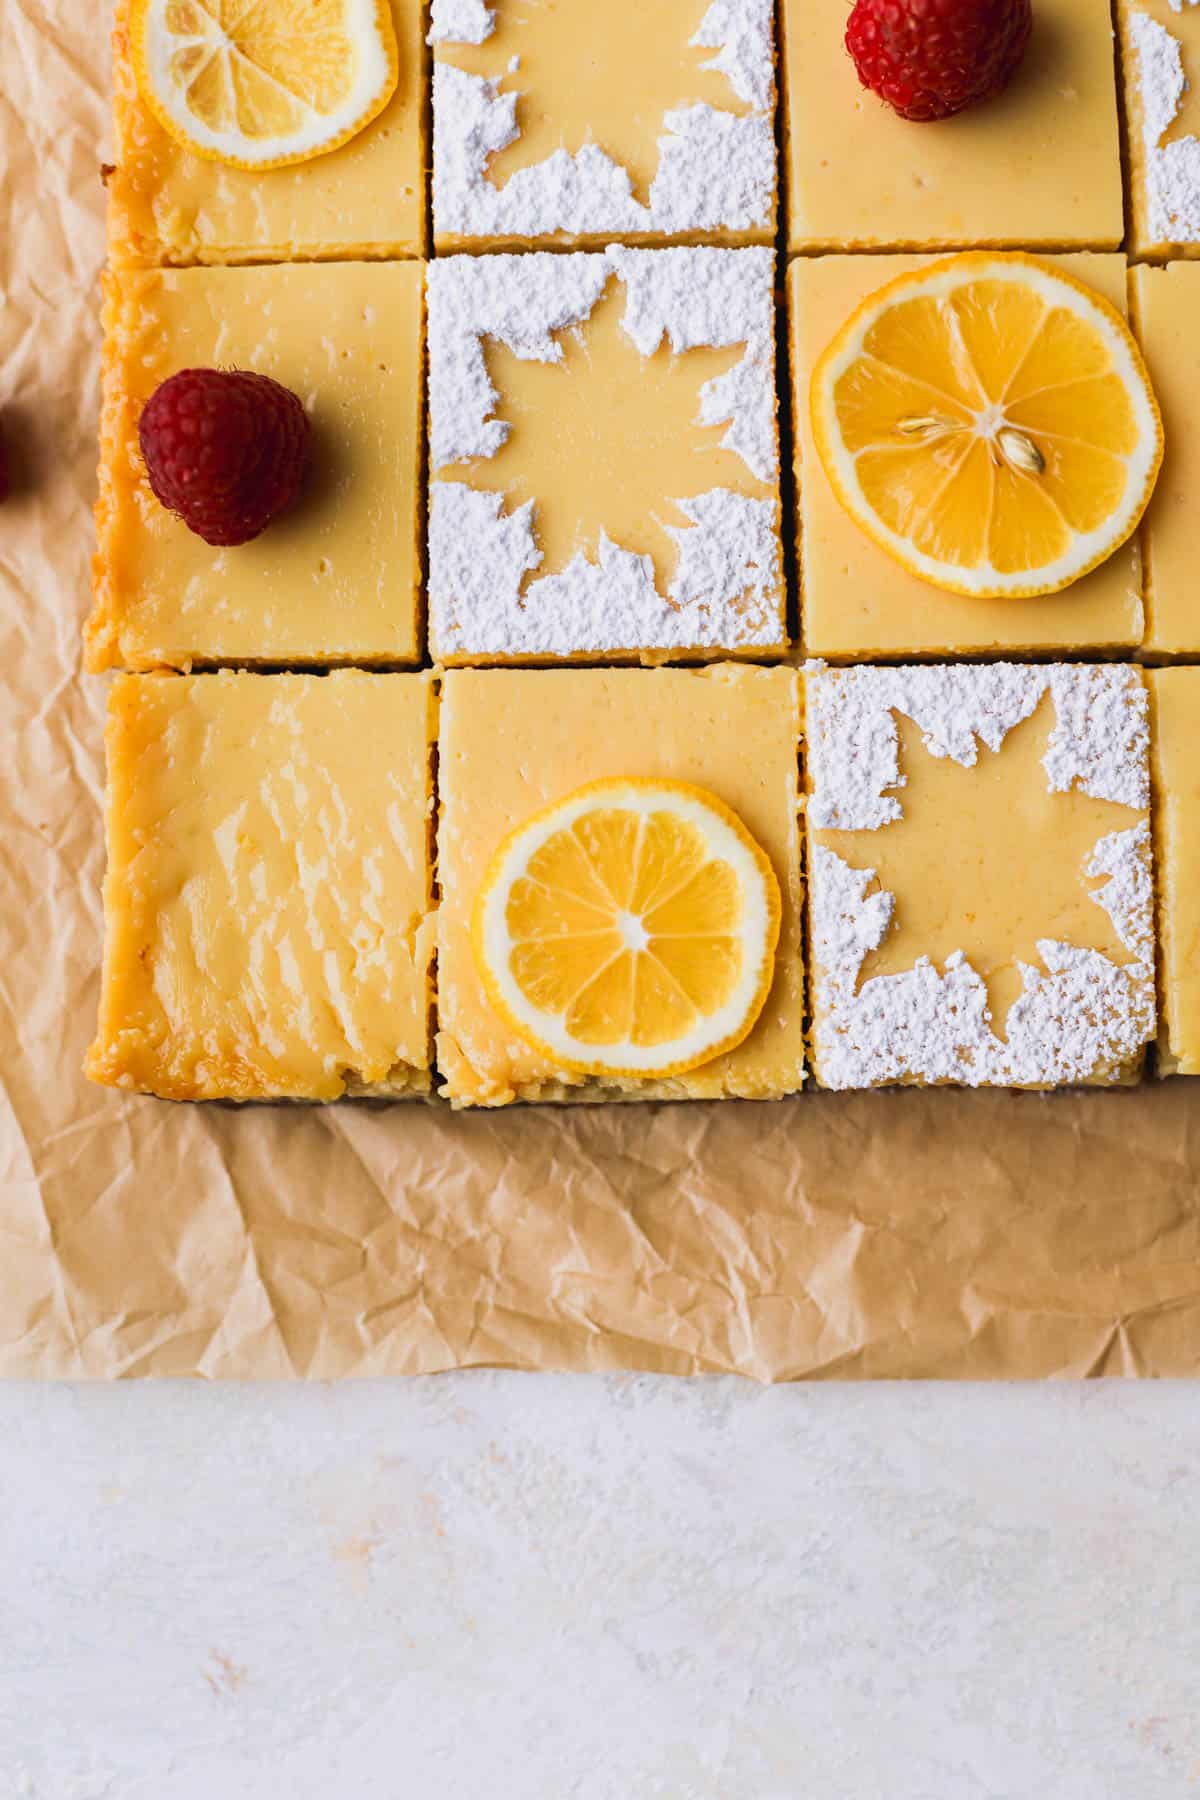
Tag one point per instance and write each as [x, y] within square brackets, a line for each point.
[225, 449]
[930, 58]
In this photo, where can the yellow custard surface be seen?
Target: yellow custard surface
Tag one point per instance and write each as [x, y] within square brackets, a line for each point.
[856, 600]
[1166, 308]
[365, 199]
[268, 901]
[335, 579]
[1175, 694]
[513, 742]
[1039, 165]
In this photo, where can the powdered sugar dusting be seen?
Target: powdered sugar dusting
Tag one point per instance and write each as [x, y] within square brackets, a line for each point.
[1172, 171]
[743, 34]
[1128, 894]
[727, 589]
[717, 169]
[522, 302]
[1080, 1016]
[1100, 741]
[724, 298]
[460, 21]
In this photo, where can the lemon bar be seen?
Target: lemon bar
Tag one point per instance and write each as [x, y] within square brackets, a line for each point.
[335, 579]
[857, 602]
[1160, 43]
[1176, 697]
[1166, 305]
[981, 904]
[604, 456]
[513, 742]
[1039, 166]
[366, 199]
[560, 122]
[268, 902]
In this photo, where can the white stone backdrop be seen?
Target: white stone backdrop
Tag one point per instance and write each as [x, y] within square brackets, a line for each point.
[502, 1587]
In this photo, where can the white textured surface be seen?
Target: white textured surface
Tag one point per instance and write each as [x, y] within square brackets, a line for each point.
[460, 21]
[1077, 1015]
[717, 169]
[725, 592]
[1172, 170]
[624, 1589]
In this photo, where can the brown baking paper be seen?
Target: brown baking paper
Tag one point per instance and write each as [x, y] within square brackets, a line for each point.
[877, 1234]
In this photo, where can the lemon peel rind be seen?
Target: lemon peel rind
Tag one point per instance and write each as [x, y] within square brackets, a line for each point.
[727, 839]
[942, 278]
[368, 23]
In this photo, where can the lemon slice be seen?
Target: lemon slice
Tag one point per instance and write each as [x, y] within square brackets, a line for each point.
[988, 420]
[260, 83]
[630, 929]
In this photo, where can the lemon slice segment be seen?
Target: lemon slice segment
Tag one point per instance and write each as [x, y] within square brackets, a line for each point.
[630, 929]
[989, 421]
[261, 83]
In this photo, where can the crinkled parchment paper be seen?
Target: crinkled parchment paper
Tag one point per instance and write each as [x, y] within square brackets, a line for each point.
[873, 1234]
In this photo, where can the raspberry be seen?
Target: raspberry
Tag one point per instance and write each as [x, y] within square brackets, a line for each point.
[931, 58]
[226, 449]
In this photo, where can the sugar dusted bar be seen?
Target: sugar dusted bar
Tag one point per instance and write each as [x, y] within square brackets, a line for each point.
[981, 907]
[644, 120]
[604, 458]
[1160, 44]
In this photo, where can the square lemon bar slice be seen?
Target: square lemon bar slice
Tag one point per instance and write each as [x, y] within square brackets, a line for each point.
[169, 206]
[337, 577]
[981, 905]
[268, 902]
[1039, 165]
[856, 600]
[1176, 699]
[572, 123]
[604, 456]
[513, 742]
[1160, 44]
[1166, 306]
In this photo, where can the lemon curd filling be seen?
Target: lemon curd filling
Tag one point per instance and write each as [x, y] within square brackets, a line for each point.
[1038, 165]
[1166, 306]
[269, 896]
[335, 579]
